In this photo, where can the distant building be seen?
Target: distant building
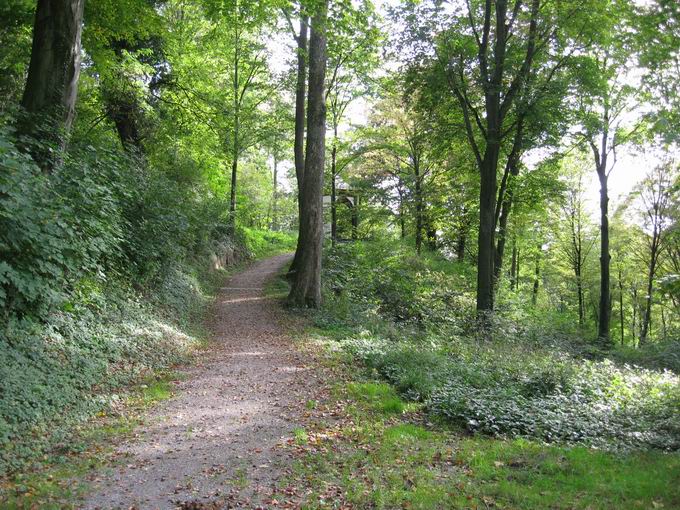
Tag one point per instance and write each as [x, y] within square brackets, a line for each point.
[344, 197]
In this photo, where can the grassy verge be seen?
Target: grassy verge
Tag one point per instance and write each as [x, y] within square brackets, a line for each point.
[422, 416]
[61, 478]
[380, 451]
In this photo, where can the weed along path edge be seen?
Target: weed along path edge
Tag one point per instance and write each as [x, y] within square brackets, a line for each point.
[216, 443]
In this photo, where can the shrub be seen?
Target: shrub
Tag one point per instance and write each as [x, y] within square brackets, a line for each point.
[53, 229]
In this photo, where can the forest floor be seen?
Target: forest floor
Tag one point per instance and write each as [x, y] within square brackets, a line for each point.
[220, 441]
[274, 415]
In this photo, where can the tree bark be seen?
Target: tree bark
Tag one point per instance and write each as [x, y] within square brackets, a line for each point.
[355, 218]
[537, 276]
[275, 196]
[651, 272]
[502, 235]
[402, 212]
[634, 320]
[485, 243]
[460, 245]
[579, 292]
[431, 233]
[49, 97]
[605, 308]
[621, 321]
[121, 102]
[505, 197]
[237, 119]
[232, 196]
[299, 144]
[306, 288]
[498, 99]
[513, 266]
[419, 206]
[334, 212]
[463, 229]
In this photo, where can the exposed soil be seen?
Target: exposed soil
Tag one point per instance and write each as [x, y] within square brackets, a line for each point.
[216, 443]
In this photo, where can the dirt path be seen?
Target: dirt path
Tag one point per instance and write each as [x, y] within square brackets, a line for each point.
[214, 444]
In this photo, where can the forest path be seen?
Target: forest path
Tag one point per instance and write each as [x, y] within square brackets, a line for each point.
[215, 443]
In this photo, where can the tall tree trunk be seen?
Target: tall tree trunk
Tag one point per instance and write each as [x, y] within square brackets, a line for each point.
[579, 292]
[237, 119]
[505, 196]
[485, 243]
[513, 265]
[462, 235]
[299, 144]
[355, 218]
[489, 164]
[460, 245]
[651, 273]
[663, 324]
[275, 196]
[431, 233]
[633, 326]
[334, 212]
[232, 196]
[605, 308]
[621, 321]
[306, 288]
[419, 206]
[402, 213]
[49, 98]
[537, 276]
[502, 234]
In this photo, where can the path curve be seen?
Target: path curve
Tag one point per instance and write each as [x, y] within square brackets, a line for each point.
[214, 444]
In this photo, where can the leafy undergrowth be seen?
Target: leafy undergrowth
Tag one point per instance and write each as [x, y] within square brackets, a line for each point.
[267, 243]
[60, 480]
[532, 393]
[429, 415]
[408, 319]
[54, 377]
[368, 448]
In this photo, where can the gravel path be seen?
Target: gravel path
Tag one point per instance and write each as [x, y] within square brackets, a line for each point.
[216, 443]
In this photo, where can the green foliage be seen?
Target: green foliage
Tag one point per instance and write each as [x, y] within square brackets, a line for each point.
[529, 382]
[103, 266]
[54, 376]
[54, 229]
[378, 460]
[15, 33]
[100, 214]
[263, 243]
[59, 372]
[386, 277]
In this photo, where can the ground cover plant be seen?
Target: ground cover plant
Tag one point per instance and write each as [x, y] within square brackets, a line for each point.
[381, 451]
[522, 381]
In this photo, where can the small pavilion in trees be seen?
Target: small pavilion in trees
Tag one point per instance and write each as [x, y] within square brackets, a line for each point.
[347, 214]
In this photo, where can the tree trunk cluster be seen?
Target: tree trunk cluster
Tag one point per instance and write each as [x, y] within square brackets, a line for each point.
[306, 286]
